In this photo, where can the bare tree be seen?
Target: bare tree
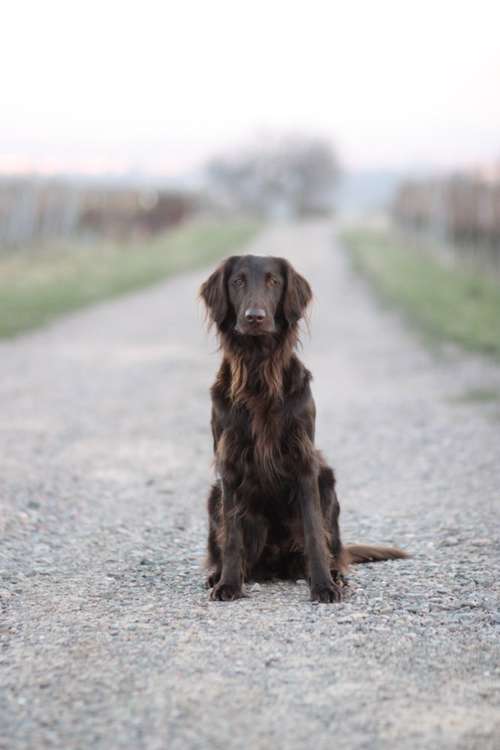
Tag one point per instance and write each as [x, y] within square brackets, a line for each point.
[294, 175]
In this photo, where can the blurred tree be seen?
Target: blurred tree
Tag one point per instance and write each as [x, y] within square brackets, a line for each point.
[290, 176]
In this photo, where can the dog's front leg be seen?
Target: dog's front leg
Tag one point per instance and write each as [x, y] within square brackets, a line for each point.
[229, 585]
[323, 589]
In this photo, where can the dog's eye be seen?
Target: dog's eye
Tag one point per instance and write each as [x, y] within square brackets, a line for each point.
[238, 282]
[273, 281]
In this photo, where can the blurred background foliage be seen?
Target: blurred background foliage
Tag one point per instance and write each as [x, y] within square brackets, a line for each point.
[431, 245]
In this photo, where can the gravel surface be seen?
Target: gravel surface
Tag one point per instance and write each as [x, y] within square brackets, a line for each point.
[108, 637]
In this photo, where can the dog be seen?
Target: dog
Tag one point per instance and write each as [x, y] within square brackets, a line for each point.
[274, 512]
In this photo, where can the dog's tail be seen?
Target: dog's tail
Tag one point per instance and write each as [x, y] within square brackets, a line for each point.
[364, 553]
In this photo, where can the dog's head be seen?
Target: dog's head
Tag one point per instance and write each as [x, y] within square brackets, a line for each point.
[255, 295]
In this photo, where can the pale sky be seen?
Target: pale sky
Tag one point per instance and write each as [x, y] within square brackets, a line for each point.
[159, 86]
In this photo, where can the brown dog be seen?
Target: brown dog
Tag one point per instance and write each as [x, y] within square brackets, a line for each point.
[274, 511]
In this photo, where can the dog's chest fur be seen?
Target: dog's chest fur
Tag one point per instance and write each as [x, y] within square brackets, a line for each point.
[260, 425]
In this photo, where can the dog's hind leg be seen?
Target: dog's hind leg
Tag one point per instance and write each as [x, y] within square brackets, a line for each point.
[255, 534]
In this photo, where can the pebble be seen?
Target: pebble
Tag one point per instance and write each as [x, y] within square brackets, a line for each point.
[451, 541]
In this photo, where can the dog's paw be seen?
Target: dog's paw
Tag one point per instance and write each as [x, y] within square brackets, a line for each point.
[213, 578]
[226, 592]
[326, 593]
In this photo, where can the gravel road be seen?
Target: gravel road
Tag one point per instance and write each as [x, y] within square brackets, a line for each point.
[108, 637]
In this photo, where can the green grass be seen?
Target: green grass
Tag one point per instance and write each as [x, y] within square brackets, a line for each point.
[39, 284]
[452, 303]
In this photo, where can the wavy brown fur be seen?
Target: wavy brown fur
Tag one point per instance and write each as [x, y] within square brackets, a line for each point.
[274, 512]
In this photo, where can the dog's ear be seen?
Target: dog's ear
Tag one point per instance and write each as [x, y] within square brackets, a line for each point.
[297, 295]
[214, 294]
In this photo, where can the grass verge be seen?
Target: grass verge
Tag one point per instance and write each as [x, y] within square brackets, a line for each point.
[452, 303]
[40, 284]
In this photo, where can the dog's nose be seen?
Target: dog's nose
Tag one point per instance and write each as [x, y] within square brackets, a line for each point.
[255, 315]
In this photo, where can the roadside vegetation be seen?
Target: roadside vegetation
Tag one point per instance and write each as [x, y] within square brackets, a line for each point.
[40, 283]
[447, 301]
